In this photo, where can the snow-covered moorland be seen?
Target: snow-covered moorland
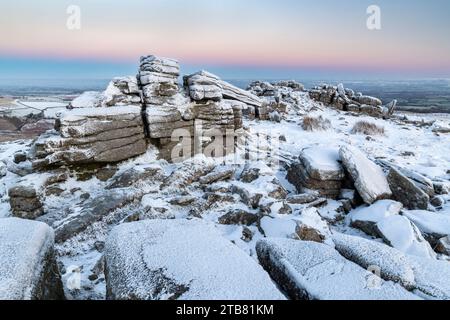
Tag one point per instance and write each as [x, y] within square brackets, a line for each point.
[275, 192]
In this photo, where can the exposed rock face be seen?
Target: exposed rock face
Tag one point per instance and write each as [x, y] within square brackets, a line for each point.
[369, 179]
[346, 100]
[402, 234]
[318, 169]
[305, 269]
[366, 218]
[94, 210]
[428, 276]
[28, 270]
[134, 176]
[140, 264]
[405, 191]
[93, 135]
[443, 246]
[25, 202]
[122, 91]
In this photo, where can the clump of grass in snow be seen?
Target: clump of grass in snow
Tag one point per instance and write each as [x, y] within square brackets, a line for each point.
[316, 123]
[368, 129]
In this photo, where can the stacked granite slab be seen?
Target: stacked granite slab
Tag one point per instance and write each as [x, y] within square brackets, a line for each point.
[318, 169]
[346, 99]
[92, 135]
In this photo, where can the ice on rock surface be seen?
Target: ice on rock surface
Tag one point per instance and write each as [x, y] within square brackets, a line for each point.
[181, 259]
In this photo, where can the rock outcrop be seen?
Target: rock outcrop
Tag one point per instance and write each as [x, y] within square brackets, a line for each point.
[140, 264]
[347, 100]
[28, 270]
[92, 135]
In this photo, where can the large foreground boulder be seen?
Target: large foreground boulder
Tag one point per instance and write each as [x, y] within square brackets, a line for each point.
[28, 269]
[180, 259]
[429, 276]
[310, 270]
[369, 178]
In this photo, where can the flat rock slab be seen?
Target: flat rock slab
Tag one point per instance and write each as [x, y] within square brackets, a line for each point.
[369, 179]
[428, 276]
[406, 191]
[28, 269]
[431, 224]
[321, 163]
[181, 259]
[314, 271]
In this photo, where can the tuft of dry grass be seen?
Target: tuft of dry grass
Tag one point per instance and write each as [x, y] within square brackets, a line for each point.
[315, 123]
[368, 129]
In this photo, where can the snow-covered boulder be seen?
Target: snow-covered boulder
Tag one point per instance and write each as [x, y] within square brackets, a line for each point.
[278, 227]
[28, 269]
[92, 211]
[93, 135]
[318, 169]
[369, 178]
[311, 227]
[310, 270]
[390, 262]
[429, 276]
[122, 91]
[433, 225]
[88, 99]
[25, 201]
[406, 191]
[140, 264]
[365, 218]
[402, 234]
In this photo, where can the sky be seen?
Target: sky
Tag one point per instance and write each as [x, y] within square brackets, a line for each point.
[234, 38]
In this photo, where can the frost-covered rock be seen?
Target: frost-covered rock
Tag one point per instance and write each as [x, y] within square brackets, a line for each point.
[134, 176]
[443, 246]
[92, 211]
[405, 191]
[122, 91]
[429, 276]
[239, 217]
[204, 85]
[402, 234]
[140, 264]
[369, 178]
[219, 174]
[28, 268]
[25, 202]
[390, 262]
[311, 227]
[310, 270]
[318, 169]
[93, 135]
[433, 225]
[3, 169]
[365, 218]
[88, 99]
[278, 227]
